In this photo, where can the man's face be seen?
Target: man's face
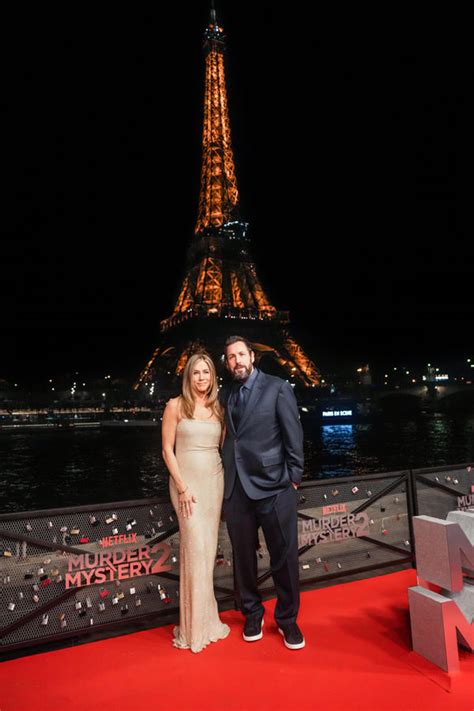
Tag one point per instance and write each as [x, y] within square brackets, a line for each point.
[239, 360]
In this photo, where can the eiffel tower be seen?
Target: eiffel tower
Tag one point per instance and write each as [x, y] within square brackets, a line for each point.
[221, 294]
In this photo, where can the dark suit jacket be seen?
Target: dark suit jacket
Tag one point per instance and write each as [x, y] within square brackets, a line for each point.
[267, 449]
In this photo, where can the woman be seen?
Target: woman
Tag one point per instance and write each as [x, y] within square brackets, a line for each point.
[192, 433]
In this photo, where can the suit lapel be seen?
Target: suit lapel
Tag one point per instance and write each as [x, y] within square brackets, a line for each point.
[253, 399]
[228, 410]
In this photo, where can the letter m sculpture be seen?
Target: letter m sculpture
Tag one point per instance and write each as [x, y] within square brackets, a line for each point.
[444, 555]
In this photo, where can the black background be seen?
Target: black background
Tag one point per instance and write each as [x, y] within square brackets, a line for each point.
[352, 161]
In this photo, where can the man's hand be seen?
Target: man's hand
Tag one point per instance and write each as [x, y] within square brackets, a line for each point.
[295, 486]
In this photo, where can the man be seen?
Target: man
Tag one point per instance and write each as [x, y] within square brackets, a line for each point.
[263, 464]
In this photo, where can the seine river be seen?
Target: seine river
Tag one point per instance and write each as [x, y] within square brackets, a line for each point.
[52, 469]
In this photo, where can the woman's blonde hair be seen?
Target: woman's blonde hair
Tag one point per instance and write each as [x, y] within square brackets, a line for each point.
[187, 398]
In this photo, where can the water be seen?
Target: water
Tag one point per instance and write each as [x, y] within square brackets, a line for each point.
[52, 469]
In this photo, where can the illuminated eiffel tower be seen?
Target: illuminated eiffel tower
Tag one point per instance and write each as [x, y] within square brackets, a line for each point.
[221, 294]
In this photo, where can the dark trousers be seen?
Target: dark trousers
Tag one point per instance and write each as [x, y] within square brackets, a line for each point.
[277, 517]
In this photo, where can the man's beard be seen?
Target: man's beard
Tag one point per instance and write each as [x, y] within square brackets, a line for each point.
[242, 374]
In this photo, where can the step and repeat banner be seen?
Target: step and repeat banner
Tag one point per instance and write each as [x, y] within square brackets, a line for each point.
[64, 572]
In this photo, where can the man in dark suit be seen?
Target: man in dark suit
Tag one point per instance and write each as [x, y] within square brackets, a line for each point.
[263, 464]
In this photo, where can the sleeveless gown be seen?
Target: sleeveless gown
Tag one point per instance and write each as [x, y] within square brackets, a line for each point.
[200, 466]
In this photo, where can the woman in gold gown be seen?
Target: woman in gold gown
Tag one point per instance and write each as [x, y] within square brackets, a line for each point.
[192, 432]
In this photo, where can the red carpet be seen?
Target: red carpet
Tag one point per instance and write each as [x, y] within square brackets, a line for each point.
[357, 656]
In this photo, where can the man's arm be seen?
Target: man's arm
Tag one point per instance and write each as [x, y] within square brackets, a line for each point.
[292, 432]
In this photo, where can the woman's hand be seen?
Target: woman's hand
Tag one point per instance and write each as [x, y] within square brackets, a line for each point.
[186, 502]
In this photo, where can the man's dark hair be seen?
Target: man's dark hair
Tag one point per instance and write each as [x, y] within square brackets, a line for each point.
[235, 339]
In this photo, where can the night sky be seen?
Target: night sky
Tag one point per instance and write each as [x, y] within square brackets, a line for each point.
[349, 142]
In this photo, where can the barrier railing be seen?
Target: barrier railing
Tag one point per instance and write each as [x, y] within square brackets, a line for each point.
[438, 490]
[351, 525]
[64, 572]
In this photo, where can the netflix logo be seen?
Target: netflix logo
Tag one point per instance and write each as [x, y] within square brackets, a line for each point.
[108, 541]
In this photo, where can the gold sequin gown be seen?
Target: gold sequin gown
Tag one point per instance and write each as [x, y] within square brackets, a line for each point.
[200, 466]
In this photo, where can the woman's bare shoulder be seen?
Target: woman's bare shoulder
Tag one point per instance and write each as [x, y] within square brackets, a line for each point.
[173, 404]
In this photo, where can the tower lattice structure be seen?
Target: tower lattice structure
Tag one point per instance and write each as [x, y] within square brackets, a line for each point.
[221, 293]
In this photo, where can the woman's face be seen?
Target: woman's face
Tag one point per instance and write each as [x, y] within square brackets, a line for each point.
[201, 377]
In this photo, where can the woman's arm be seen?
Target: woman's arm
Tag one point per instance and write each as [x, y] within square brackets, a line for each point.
[168, 438]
